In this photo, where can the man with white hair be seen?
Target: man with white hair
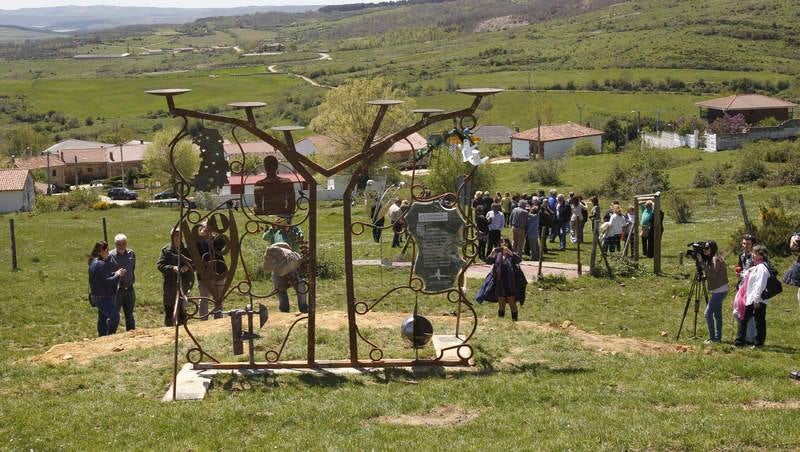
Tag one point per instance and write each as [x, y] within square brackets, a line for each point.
[123, 257]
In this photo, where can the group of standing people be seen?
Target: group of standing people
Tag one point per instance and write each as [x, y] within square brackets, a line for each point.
[112, 274]
[755, 287]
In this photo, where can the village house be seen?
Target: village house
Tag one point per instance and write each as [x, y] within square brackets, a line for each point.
[99, 161]
[754, 108]
[16, 191]
[552, 141]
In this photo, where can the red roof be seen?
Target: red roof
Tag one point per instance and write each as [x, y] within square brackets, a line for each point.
[745, 102]
[417, 140]
[253, 178]
[38, 162]
[13, 179]
[557, 132]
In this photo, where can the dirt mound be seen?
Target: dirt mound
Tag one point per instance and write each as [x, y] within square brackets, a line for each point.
[771, 405]
[443, 416]
[606, 344]
[87, 350]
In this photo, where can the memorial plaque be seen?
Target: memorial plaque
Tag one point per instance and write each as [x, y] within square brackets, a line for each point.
[438, 233]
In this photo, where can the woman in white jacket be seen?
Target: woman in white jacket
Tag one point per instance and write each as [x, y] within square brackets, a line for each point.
[615, 225]
[753, 285]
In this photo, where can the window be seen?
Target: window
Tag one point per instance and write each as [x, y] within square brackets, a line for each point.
[54, 173]
[89, 170]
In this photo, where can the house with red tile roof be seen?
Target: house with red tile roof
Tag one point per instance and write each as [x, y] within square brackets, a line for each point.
[552, 141]
[754, 108]
[16, 191]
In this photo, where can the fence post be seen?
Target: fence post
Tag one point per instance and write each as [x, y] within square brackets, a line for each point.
[747, 225]
[105, 230]
[657, 232]
[13, 246]
[595, 238]
[578, 238]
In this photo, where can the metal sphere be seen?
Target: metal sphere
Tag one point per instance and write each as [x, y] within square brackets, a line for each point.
[417, 331]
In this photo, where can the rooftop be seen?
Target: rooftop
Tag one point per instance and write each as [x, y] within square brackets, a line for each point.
[557, 132]
[13, 179]
[249, 147]
[75, 144]
[745, 102]
[494, 134]
[253, 178]
[416, 140]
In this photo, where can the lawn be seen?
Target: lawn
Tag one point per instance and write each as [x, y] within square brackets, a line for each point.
[537, 387]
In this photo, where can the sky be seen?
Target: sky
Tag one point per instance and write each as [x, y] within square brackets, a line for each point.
[16, 4]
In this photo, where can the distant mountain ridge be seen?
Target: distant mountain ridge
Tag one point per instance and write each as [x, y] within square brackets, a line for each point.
[100, 17]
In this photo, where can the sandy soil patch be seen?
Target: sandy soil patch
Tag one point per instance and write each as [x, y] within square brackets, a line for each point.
[443, 416]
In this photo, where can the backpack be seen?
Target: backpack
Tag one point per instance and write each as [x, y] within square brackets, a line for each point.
[774, 286]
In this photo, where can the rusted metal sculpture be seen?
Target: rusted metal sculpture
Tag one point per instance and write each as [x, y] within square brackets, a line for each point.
[278, 206]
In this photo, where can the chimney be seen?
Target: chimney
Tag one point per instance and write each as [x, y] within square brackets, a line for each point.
[141, 141]
[13, 159]
[62, 156]
[111, 156]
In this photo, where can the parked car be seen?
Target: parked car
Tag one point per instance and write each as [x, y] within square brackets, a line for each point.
[122, 193]
[166, 194]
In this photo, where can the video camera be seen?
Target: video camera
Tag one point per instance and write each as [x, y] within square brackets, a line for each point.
[695, 249]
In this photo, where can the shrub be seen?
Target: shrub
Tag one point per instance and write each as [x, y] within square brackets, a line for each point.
[728, 124]
[609, 147]
[328, 268]
[701, 179]
[686, 126]
[46, 204]
[139, 204]
[204, 200]
[705, 177]
[80, 198]
[749, 169]
[445, 168]
[547, 172]
[767, 122]
[100, 205]
[642, 172]
[774, 231]
[679, 208]
[583, 147]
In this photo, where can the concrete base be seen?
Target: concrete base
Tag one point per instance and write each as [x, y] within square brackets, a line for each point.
[443, 341]
[193, 384]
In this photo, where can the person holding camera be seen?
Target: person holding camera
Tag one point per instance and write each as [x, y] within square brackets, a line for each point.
[792, 278]
[749, 302]
[717, 281]
[103, 282]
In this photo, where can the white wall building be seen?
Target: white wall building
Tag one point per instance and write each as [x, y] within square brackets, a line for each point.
[555, 141]
[16, 191]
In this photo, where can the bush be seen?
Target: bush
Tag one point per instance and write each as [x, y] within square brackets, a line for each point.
[728, 124]
[704, 177]
[609, 147]
[445, 169]
[679, 208]
[46, 204]
[139, 204]
[686, 126]
[547, 172]
[583, 147]
[100, 205]
[643, 172]
[774, 231]
[80, 198]
[328, 268]
[749, 169]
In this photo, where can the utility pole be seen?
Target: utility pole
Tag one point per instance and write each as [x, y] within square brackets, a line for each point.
[49, 191]
[529, 80]
[76, 171]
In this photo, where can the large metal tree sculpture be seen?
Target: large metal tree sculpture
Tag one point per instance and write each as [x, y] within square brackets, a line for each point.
[429, 217]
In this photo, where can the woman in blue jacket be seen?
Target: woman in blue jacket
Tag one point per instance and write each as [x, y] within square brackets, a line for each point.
[103, 281]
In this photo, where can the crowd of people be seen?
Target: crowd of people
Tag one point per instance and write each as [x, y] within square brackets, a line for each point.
[537, 219]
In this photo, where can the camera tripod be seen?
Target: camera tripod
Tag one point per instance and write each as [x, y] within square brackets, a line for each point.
[697, 289]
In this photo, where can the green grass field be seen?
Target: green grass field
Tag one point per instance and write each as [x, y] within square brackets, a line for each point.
[536, 387]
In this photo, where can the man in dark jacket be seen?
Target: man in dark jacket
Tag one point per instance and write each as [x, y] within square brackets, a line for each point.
[174, 263]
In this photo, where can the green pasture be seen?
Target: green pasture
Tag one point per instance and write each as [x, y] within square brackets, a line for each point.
[125, 97]
[21, 34]
[535, 387]
[519, 108]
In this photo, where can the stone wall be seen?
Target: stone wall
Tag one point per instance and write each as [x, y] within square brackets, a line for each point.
[788, 130]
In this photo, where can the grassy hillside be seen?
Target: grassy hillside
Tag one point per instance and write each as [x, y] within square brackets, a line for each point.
[13, 34]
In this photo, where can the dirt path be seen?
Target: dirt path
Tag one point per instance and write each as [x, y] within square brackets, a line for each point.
[87, 350]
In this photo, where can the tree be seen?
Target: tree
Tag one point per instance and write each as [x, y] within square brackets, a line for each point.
[445, 168]
[346, 118]
[157, 162]
[615, 133]
[253, 164]
[23, 141]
